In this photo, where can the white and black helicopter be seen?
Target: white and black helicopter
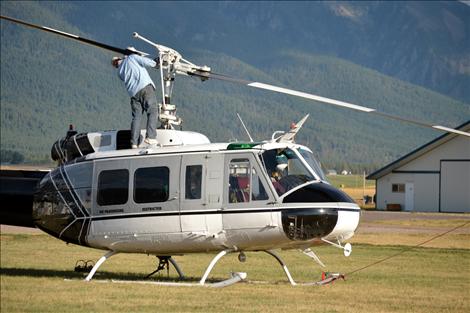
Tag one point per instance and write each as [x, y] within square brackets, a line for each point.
[187, 195]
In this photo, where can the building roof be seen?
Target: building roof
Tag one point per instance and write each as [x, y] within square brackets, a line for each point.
[417, 152]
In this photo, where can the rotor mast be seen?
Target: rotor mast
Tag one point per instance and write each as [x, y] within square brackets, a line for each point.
[171, 63]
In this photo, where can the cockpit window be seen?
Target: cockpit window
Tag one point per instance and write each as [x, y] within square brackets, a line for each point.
[285, 169]
[312, 162]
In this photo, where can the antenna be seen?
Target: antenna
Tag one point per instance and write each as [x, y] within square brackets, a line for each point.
[243, 124]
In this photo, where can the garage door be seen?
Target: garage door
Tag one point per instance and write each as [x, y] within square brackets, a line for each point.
[455, 186]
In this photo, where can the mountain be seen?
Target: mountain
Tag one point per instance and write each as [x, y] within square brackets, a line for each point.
[426, 43]
[48, 82]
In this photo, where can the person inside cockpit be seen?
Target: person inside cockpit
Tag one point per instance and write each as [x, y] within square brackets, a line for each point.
[286, 168]
[278, 172]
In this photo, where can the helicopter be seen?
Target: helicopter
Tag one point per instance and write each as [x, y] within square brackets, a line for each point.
[187, 195]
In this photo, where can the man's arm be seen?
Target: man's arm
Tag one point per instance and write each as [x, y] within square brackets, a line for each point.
[143, 61]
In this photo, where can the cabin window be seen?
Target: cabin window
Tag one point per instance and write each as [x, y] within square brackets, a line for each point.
[113, 187]
[398, 188]
[193, 184]
[257, 189]
[81, 176]
[151, 184]
[243, 182]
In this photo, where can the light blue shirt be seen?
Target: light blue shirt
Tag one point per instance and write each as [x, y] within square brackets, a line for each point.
[133, 73]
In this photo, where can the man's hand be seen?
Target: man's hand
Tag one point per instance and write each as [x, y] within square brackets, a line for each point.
[157, 60]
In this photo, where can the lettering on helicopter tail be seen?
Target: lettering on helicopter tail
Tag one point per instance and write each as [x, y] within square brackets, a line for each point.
[307, 224]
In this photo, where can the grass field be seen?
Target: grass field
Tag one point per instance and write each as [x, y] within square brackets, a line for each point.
[33, 268]
[350, 181]
[354, 186]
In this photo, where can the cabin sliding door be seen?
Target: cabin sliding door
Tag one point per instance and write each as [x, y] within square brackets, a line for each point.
[201, 193]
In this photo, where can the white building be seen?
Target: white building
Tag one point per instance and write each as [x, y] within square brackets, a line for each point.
[434, 177]
[332, 172]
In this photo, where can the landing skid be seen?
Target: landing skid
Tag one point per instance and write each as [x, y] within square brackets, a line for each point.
[98, 264]
[329, 279]
[163, 263]
[234, 277]
[284, 266]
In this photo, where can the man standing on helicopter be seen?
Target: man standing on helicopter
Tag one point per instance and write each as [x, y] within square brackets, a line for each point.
[141, 89]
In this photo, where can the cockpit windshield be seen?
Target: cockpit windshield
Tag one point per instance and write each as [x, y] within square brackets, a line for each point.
[312, 162]
[286, 169]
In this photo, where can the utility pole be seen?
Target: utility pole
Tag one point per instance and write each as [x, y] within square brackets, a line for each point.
[363, 187]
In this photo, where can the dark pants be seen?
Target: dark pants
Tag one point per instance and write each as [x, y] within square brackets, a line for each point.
[145, 101]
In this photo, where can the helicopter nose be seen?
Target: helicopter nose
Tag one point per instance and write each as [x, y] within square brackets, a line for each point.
[346, 224]
[332, 223]
[56, 211]
[307, 224]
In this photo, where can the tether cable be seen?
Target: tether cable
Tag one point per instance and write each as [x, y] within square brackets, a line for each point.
[407, 249]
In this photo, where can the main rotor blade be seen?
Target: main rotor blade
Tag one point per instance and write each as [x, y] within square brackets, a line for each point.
[205, 75]
[72, 36]
[309, 96]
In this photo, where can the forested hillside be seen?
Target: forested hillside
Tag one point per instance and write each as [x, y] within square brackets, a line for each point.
[423, 42]
[48, 83]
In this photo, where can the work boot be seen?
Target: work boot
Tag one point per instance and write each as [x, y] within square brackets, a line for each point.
[151, 143]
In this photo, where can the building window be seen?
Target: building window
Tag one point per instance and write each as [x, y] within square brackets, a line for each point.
[398, 188]
[113, 187]
[151, 184]
[193, 182]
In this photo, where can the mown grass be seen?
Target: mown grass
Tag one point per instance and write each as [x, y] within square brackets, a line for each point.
[33, 268]
[450, 241]
[349, 181]
[353, 185]
[416, 230]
